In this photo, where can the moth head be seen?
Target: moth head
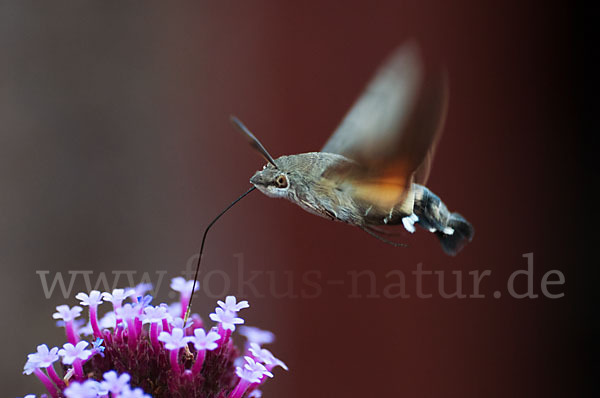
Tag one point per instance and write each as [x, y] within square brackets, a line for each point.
[272, 181]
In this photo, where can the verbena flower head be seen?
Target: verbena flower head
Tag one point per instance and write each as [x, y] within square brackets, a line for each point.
[136, 350]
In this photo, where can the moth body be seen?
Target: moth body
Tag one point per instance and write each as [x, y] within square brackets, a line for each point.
[372, 171]
[303, 180]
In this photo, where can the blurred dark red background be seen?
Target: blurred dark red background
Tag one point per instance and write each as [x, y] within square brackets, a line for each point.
[116, 151]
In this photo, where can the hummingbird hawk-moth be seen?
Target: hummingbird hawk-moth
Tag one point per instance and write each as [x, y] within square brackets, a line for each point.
[372, 170]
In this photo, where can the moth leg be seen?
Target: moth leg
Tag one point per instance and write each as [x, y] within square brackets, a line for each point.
[409, 222]
[330, 214]
[383, 231]
[381, 238]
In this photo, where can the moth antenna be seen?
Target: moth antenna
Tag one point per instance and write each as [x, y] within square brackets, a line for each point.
[381, 238]
[254, 142]
[189, 307]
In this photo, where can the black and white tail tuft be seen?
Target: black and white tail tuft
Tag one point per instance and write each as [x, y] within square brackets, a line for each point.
[461, 235]
[452, 229]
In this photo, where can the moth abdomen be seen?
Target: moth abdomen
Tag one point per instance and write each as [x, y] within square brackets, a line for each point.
[452, 229]
[462, 234]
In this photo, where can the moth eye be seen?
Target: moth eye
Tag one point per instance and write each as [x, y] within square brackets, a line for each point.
[281, 181]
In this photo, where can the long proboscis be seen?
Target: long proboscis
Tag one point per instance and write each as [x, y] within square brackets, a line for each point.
[189, 307]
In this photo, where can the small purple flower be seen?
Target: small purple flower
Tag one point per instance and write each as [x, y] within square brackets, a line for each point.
[68, 316]
[252, 372]
[205, 341]
[127, 312]
[179, 284]
[66, 313]
[174, 341]
[130, 314]
[71, 353]
[30, 366]
[256, 335]
[227, 320]
[184, 288]
[144, 301]
[33, 367]
[115, 383]
[87, 389]
[44, 357]
[256, 367]
[75, 355]
[155, 314]
[265, 356]
[117, 296]
[135, 393]
[92, 300]
[247, 375]
[108, 321]
[142, 288]
[178, 323]
[97, 347]
[232, 305]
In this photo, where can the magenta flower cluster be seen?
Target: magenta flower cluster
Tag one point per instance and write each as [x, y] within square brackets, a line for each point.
[137, 350]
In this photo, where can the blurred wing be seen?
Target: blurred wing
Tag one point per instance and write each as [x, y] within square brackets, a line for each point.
[421, 174]
[391, 129]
